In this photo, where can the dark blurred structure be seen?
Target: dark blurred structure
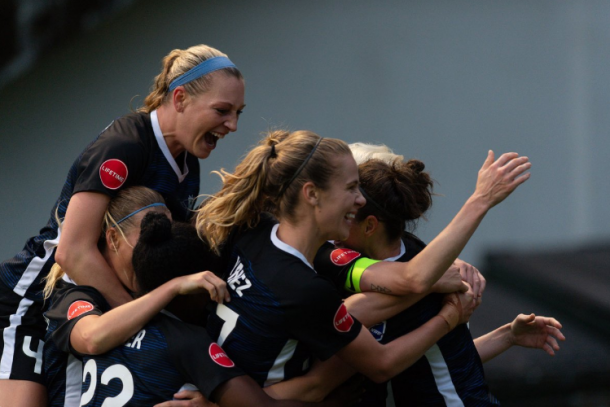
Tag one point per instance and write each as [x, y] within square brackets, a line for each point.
[572, 286]
[31, 28]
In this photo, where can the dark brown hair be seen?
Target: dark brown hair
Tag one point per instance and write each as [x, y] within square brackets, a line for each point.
[397, 194]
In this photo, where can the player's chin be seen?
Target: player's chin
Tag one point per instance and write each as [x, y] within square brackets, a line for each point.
[202, 153]
[341, 234]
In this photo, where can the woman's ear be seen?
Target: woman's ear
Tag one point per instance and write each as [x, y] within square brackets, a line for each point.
[112, 240]
[371, 225]
[179, 97]
[311, 194]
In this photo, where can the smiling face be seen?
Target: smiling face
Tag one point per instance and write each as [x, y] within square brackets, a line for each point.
[204, 118]
[338, 204]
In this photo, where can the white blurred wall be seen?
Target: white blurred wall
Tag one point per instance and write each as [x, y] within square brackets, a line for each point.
[442, 81]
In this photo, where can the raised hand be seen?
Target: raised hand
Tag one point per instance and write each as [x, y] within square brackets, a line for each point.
[499, 178]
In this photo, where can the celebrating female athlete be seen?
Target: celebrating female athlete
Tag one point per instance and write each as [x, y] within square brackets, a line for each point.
[195, 100]
[398, 193]
[281, 312]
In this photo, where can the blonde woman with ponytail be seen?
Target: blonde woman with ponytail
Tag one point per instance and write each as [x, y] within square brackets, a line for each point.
[195, 101]
[282, 313]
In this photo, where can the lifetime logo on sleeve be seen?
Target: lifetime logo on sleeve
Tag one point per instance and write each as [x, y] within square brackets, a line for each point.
[79, 308]
[342, 257]
[113, 173]
[219, 356]
[343, 320]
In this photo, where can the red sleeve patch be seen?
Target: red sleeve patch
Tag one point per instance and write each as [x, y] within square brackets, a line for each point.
[113, 173]
[342, 257]
[79, 308]
[219, 356]
[343, 320]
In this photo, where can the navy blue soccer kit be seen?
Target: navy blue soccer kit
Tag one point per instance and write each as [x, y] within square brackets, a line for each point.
[450, 373]
[130, 151]
[281, 311]
[149, 369]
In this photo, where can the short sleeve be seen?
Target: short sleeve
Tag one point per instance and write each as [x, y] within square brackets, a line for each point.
[116, 159]
[344, 267]
[68, 307]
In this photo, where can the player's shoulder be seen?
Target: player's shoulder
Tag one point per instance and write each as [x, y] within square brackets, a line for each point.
[330, 256]
[134, 129]
[262, 230]
[70, 301]
[70, 292]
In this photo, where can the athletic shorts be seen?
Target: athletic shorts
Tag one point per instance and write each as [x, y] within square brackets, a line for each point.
[22, 329]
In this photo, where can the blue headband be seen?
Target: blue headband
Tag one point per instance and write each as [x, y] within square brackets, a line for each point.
[204, 68]
[139, 210]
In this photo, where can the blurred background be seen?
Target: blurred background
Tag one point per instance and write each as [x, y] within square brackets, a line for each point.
[443, 81]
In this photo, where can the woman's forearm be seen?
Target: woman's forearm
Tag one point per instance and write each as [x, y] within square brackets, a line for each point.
[316, 384]
[98, 334]
[373, 308]
[493, 343]
[425, 269]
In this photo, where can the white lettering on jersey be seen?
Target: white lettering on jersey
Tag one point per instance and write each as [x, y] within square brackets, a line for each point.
[238, 280]
[136, 340]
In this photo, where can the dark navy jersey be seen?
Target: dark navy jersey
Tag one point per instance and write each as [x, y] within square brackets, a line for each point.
[63, 367]
[281, 311]
[150, 368]
[450, 373]
[127, 153]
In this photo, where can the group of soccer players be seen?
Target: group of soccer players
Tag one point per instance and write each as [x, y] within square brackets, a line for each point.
[288, 310]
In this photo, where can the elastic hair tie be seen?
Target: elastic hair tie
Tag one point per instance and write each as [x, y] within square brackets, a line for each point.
[383, 211]
[204, 68]
[298, 171]
[273, 153]
[139, 210]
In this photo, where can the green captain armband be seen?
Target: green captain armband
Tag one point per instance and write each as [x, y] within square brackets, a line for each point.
[352, 282]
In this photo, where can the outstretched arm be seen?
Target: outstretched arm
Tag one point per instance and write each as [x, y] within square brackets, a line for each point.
[496, 180]
[528, 331]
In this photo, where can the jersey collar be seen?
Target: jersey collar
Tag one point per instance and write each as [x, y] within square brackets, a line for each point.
[287, 248]
[403, 250]
[163, 146]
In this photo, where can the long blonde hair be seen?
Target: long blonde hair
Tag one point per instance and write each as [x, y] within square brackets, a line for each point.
[178, 62]
[124, 203]
[269, 178]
